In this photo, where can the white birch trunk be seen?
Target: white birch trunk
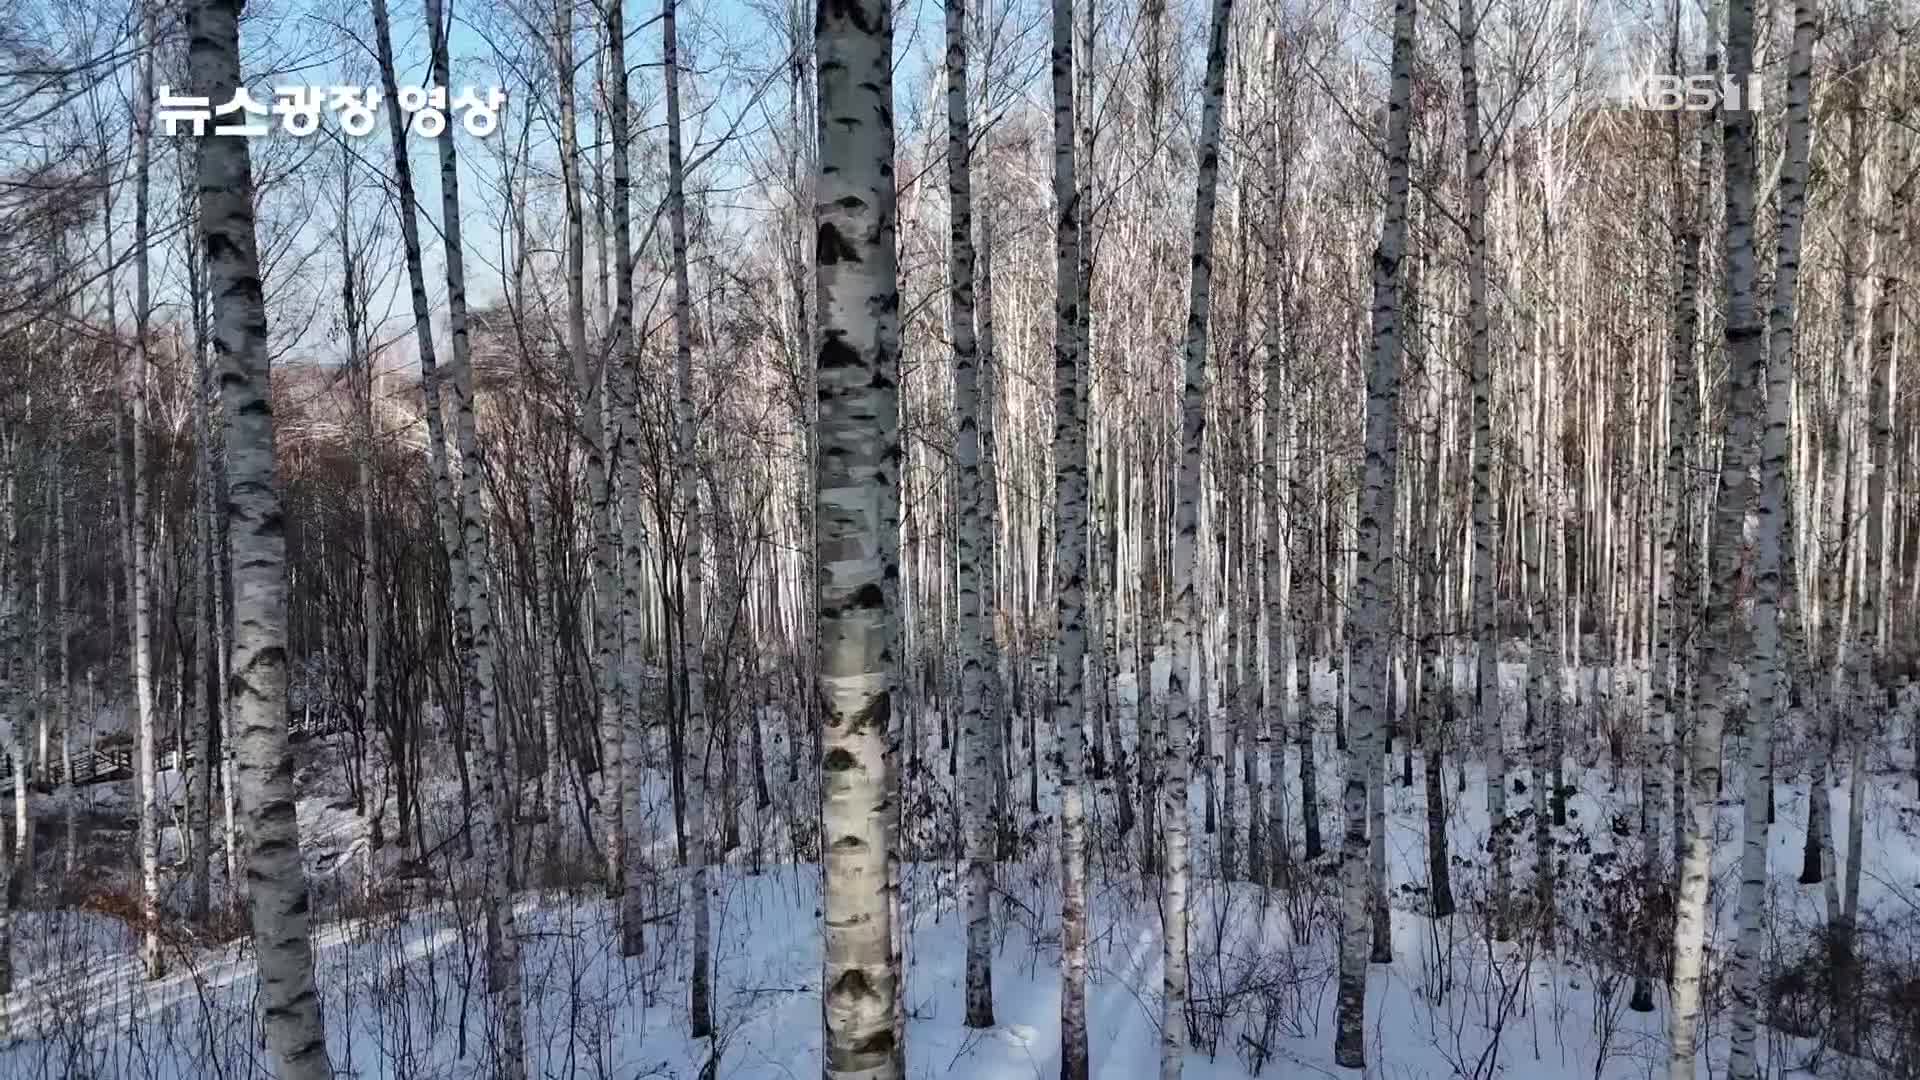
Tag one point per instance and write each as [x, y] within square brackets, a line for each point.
[1486, 666]
[588, 401]
[693, 634]
[445, 512]
[140, 576]
[1070, 546]
[1746, 367]
[199, 790]
[276, 883]
[1374, 548]
[856, 496]
[63, 603]
[1176, 774]
[1769, 671]
[976, 718]
[612, 600]
[1276, 557]
[1674, 575]
[498, 755]
[10, 700]
[547, 633]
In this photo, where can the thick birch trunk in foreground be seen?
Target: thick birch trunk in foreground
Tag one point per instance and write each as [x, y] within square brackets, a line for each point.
[1070, 548]
[1769, 671]
[855, 498]
[1186, 554]
[1746, 365]
[276, 883]
[1375, 536]
[975, 716]
[692, 617]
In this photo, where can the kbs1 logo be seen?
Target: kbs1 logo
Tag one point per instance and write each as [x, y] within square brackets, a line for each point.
[1690, 93]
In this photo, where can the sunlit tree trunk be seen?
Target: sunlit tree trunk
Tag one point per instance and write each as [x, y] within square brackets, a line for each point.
[975, 718]
[11, 698]
[1176, 771]
[277, 888]
[600, 431]
[1486, 665]
[1070, 519]
[1770, 668]
[141, 575]
[499, 771]
[693, 634]
[1674, 575]
[1746, 366]
[63, 631]
[587, 401]
[1375, 541]
[554, 778]
[1276, 555]
[856, 496]
[444, 501]
[205, 561]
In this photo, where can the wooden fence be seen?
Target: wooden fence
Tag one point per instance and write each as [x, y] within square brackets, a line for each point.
[98, 766]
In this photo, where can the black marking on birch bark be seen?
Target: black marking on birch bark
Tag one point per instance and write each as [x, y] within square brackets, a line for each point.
[835, 354]
[879, 1042]
[832, 248]
[853, 983]
[876, 716]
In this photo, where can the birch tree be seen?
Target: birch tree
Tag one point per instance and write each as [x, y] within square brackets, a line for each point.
[1746, 365]
[975, 717]
[1176, 774]
[587, 402]
[1070, 548]
[1675, 575]
[1276, 567]
[617, 687]
[140, 571]
[1768, 674]
[856, 494]
[10, 696]
[692, 618]
[497, 774]
[1486, 664]
[1378, 496]
[276, 883]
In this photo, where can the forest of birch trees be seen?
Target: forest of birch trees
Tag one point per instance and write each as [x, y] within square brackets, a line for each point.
[1339, 525]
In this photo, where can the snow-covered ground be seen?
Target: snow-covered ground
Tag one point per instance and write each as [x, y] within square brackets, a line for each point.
[404, 995]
